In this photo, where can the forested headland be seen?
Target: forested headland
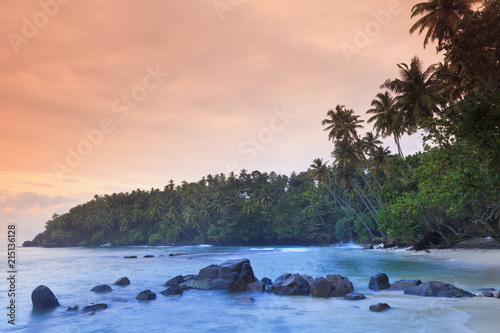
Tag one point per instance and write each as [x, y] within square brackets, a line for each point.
[364, 191]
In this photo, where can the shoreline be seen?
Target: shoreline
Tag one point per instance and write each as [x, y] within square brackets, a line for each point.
[484, 257]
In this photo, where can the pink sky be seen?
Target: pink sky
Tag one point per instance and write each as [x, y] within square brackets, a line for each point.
[109, 96]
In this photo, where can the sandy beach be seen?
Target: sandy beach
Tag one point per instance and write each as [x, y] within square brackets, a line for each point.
[489, 257]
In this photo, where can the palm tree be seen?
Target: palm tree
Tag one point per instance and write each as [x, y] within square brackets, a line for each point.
[342, 124]
[386, 118]
[440, 18]
[380, 160]
[417, 93]
[370, 142]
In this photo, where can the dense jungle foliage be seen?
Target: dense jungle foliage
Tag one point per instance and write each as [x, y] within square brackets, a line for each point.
[366, 193]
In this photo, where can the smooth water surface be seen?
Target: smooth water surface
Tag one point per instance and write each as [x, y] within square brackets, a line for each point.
[71, 272]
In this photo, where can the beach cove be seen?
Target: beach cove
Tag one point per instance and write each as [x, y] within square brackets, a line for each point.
[71, 272]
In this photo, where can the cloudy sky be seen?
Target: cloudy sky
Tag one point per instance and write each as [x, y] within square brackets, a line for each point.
[109, 96]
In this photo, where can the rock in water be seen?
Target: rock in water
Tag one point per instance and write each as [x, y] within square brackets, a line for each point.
[256, 287]
[320, 287]
[379, 282]
[43, 299]
[404, 284]
[235, 283]
[146, 295]
[175, 281]
[102, 288]
[209, 272]
[173, 290]
[340, 286]
[354, 296]
[379, 307]
[246, 300]
[229, 266]
[123, 281]
[247, 274]
[437, 289]
[290, 284]
[94, 307]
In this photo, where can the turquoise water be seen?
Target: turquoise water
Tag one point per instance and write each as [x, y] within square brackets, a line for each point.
[71, 272]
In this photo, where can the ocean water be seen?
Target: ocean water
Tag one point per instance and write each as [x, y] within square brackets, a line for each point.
[71, 272]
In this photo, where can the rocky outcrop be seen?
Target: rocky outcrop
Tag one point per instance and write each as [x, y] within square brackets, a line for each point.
[379, 307]
[146, 295]
[43, 299]
[320, 287]
[28, 244]
[437, 289]
[404, 284]
[102, 288]
[354, 296]
[92, 308]
[290, 284]
[123, 281]
[379, 282]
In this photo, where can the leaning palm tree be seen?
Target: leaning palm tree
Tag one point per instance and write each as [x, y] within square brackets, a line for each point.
[342, 124]
[370, 142]
[417, 93]
[386, 118]
[440, 18]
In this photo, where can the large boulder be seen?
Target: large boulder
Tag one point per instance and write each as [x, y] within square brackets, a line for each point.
[404, 284]
[340, 286]
[379, 281]
[43, 299]
[229, 266]
[320, 287]
[247, 274]
[209, 272]
[102, 288]
[235, 283]
[123, 281]
[175, 281]
[146, 295]
[437, 289]
[290, 284]
[256, 287]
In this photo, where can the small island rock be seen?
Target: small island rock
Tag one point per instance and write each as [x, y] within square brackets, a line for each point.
[102, 288]
[379, 281]
[43, 299]
[379, 307]
[146, 295]
[123, 281]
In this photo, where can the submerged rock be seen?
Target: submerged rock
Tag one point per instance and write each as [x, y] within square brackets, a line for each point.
[246, 300]
[379, 307]
[72, 308]
[123, 281]
[102, 288]
[403, 284]
[379, 281]
[149, 256]
[43, 299]
[354, 296]
[130, 257]
[437, 289]
[146, 295]
[94, 307]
